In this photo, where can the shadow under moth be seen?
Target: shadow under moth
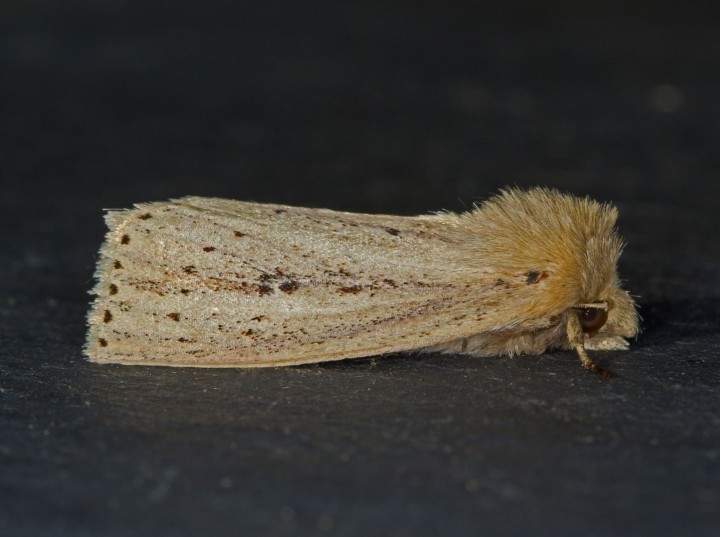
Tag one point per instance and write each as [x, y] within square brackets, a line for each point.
[211, 282]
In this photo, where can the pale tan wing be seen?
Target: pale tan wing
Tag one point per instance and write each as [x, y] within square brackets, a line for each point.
[210, 282]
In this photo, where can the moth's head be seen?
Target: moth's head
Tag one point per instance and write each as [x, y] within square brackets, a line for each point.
[606, 313]
[610, 316]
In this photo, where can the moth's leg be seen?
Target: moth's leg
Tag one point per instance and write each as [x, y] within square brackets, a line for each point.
[577, 340]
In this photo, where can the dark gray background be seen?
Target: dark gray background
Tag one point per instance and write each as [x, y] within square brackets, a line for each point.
[402, 108]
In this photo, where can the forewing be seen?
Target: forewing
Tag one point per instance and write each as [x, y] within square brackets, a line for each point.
[209, 282]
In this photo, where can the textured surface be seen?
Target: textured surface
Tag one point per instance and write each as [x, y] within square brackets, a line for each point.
[370, 108]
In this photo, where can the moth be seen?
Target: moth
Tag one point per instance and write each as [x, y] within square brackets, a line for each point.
[219, 283]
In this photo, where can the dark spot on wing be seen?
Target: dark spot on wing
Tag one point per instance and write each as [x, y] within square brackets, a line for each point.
[209, 249]
[174, 316]
[240, 234]
[145, 216]
[289, 286]
[103, 342]
[190, 269]
[117, 265]
[280, 211]
[107, 317]
[265, 289]
[113, 289]
[534, 276]
[394, 232]
[259, 318]
[185, 291]
[125, 239]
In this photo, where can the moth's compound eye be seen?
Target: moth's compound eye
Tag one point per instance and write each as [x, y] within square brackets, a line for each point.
[592, 319]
